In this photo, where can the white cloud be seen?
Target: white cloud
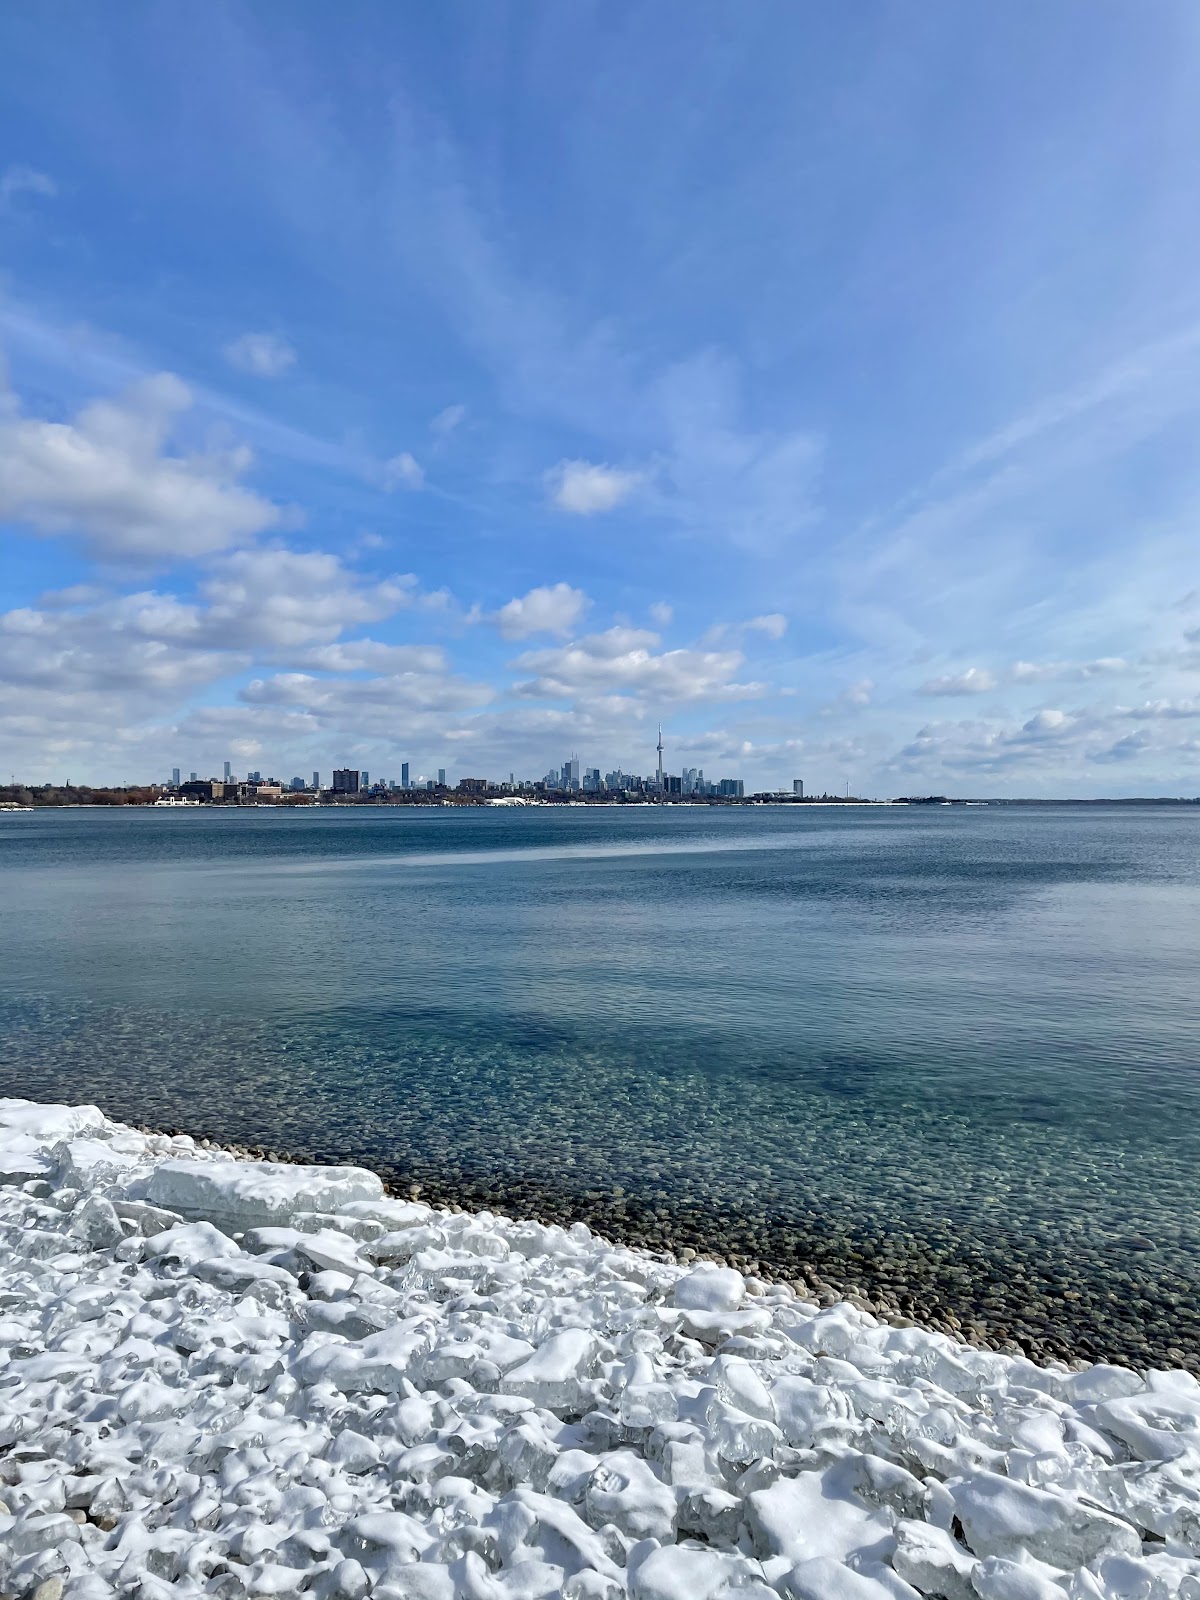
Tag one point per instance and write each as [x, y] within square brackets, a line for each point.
[551, 609]
[403, 472]
[446, 421]
[1058, 671]
[774, 625]
[263, 355]
[18, 179]
[284, 599]
[623, 661]
[583, 488]
[975, 680]
[662, 613]
[106, 475]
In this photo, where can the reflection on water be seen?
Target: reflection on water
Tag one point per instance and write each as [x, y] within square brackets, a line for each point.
[951, 1051]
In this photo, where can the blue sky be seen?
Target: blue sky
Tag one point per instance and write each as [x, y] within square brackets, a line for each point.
[470, 384]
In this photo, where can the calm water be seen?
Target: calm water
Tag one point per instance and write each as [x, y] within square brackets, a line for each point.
[949, 1052]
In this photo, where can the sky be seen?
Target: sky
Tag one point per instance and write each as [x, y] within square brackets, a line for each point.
[474, 385]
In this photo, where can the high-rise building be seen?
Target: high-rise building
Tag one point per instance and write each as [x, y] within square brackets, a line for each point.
[798, 788]
[254, 777]
[191, 777]
[297, 785]
[733, 788]
[660, 754]
[345, 780]
[228, 772]
[570, 773]
[364, 779]
[441, 777]
[316, 780]
[404, 774]
[174, 777]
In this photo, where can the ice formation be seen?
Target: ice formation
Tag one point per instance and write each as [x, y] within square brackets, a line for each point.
[241, 1379]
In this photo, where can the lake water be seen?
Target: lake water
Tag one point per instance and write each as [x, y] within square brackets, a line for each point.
[944, 1054]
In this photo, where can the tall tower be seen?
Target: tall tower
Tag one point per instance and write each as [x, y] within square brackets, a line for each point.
[660, 751]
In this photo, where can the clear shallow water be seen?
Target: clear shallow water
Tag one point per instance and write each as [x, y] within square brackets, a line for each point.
[946, 1054]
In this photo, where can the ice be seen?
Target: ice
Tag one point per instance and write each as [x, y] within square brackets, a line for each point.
[249, 1194]
[1003, 1518]
[238, 1379]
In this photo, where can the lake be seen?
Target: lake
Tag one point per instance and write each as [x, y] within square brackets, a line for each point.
[945, 1056]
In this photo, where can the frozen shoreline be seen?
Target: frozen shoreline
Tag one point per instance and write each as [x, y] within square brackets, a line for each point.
[236, 1378]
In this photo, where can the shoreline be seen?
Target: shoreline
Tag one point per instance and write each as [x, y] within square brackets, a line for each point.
[963, 1319]
[243, 1378]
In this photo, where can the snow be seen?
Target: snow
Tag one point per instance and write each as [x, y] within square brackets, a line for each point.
[247, 1379]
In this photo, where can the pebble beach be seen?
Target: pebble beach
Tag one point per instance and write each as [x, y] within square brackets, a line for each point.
[236, 1377]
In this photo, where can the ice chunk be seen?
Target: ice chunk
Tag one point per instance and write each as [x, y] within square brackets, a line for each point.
[623, 1490]
[248, 1194]
[1155, 1426]
[800, 1518]
[1004, 1518]
[710, 1289]
[933, 1562]
[822, 1578]
[674, 1573]
[46, 1124]
[23, 1159]
[999, 1579]
[553, 1376]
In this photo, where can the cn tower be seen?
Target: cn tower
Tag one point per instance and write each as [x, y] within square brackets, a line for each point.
[660, 750]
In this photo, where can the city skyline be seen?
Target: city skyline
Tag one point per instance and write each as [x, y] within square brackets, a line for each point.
[502, 386]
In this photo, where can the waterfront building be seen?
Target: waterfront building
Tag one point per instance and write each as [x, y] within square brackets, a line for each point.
[732, 788]
[798, 788]
[297, 785]
[404, 774]
[345, 780]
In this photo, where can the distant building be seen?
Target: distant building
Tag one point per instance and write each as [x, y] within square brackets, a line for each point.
[441, 777]
[175, 777]
[732, 788]
[365, 779]
[570, 774]
[316, 783]
[472, 785]
[254, 777]
[552, 778]
[297, 785]
[345, 780]
[228, 772]
[191, 777]
[798, 788]
[404, 774]
[673, 783]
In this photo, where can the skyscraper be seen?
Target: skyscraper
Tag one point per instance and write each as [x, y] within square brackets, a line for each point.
[441, 777]
[798, 788]
[345, 780]
[316, 780]
[175, 777]
[228, 772]
[570, 773]
[404, 774]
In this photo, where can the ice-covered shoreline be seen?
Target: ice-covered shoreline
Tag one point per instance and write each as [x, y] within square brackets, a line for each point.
[238, 1378]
